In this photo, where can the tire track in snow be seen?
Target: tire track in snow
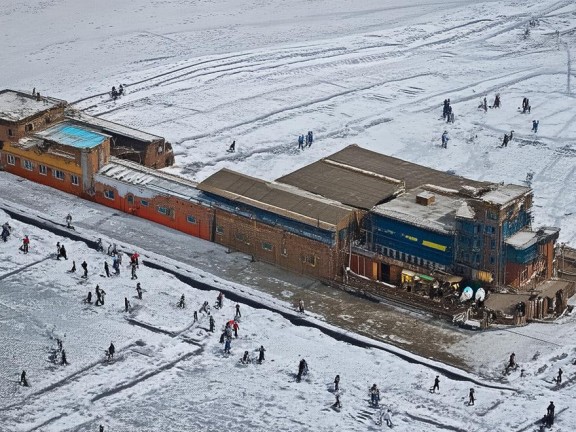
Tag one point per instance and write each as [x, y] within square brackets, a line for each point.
[21, 269]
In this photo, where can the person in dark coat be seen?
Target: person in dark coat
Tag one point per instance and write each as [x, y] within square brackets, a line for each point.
[212, 324]
[436, 385]
[471, 398]
[64, 361]
[101, 429]
[505, 141]
[139, 290]
[89, 298]
[85, 267]
[302, 370]
[337, 383]
[126, 304]
[111, 350]
[106, 269]
[23, 380]
[232, 147]
[559, 377]
[261, 351]
[62, 253]
[238, 314]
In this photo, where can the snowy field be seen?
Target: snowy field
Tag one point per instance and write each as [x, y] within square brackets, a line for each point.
[171, 374]
[203, 73]
[371, 72]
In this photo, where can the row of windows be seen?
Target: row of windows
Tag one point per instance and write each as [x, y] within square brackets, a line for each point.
[401, 256]
[43, 170]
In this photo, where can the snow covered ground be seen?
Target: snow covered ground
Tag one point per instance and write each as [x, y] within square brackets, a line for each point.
[202, 73]
[171, 374]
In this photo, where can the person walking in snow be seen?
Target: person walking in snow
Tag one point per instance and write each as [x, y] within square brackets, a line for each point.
[85, 267]
[212, 324]
[73, 269]
[261, 352]
[550, 414]
[307, 137]
[505, 141]
[139, 291]
[101, 428]
[220, 300]
[133, 265]
[98, 296]
[497, 102]
[337, 404]
[23, 380]
[106, 269]
[89, 298]
[126, 304]
[300, 142]
[559, 377]
[232, 147]
[6, 229]
[535, 124]
[111, 350]
[195, 316]
[302, 370]
[245, 358]
[62, 253]
[235, 327]
[471, 398]
[485, 104]
[301, 306]
[310, 138]
[205, 308]
[25, 244]
[182, 302]
[238, 314]
[445, 139]
[374, 395]
[436, 385]
[69, 221]
[337, 383]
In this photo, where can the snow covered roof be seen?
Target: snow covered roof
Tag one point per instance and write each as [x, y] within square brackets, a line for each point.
[503, 194]
[111, 127]
[465, 212]
[277, 198]
[132, 173]
[439, 216]
[69, 134]
[16, 106]
[524, 239]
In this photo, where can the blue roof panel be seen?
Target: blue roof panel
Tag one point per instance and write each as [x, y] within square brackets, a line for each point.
[72, 135]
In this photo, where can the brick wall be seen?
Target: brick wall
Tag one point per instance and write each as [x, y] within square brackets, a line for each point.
[30, 125]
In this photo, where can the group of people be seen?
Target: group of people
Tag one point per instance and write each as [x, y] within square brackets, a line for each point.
[447, 112]
[305, 140]
[116, 93]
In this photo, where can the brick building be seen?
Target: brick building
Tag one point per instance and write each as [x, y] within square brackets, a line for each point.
[280, 224]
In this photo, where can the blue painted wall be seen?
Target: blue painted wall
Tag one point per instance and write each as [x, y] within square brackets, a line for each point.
[409, 239]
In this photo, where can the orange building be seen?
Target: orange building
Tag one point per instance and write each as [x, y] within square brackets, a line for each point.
[154, 195]
[64, 156]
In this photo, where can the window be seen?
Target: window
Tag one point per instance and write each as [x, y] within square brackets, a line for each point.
[492, 259]
[109, 194]
[58, 174]
[28, 127]
[11, 160]
[267, 246]
[491, 215]
[492, 244]
[164, 210]
[242, 238]
[130, 199]
[28, 165]
[489, 229]
[309, 259]
[43, 170]
[284, 252]
[143, 203]
[10, 133]
[219, 229]
[74, 180]
[191, 219]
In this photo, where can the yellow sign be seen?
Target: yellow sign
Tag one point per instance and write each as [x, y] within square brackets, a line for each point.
[434, 245]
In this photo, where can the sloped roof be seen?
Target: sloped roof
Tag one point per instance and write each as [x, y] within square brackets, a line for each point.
[16, 106]
[277, 198]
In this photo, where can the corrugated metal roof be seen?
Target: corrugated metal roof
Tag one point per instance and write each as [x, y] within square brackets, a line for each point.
[75, 136]
[139, 175]
[277, 198]
[16, 106]
[362, 178]
[353, 187]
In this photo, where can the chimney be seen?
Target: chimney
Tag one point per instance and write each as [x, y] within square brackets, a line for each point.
[425, 198]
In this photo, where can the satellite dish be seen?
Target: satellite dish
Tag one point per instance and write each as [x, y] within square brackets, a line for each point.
[480, 294]
[467, 294]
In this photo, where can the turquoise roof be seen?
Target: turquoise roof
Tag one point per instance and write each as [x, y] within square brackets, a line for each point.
[72, 135]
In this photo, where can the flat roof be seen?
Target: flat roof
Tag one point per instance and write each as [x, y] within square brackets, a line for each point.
[439, 216]
[524, 239]
[503, 194]
[72, 135]
[16, 106]
[159, 181]
[277, 198]
[343, 183]
[110, 127]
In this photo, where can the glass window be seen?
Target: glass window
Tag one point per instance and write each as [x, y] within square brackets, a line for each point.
[43, 170]
[310, 260]
[191, 219]
[74, 179]
[109, 194]
[130, 199]
[164, 210]
[58, 174]
[267, 246]
[11, 159]
[27, 165]
[219, 229]
[143, 203]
